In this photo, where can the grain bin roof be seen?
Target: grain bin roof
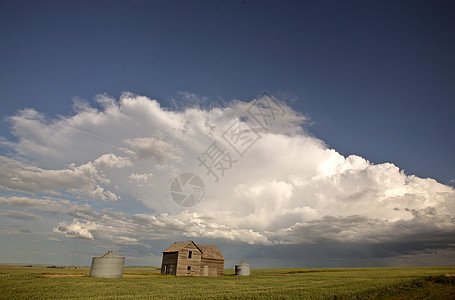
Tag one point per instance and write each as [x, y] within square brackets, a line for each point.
[208, 251]
[110, 253]
[243, 264]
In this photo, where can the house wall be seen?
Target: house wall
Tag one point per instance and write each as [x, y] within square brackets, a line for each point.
[177, 263]
[211, 267]
[184, 261]
[169, 263]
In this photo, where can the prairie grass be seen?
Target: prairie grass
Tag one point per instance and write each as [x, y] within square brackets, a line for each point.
[146, 283]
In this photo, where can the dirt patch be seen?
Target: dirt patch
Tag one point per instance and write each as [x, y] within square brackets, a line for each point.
[138, 275]
[450, 275]
[62, 275]
[51, 275]
[25, 269]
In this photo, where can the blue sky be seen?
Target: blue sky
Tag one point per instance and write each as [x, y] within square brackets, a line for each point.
[373, 79]
[376, 78]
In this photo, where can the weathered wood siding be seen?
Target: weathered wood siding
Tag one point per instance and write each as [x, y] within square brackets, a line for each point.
[190, 259]
[211, 267]
[194, 263]
[169, 263]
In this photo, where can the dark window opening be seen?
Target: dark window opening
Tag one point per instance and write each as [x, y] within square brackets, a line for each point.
[188, 268]
[190, 254]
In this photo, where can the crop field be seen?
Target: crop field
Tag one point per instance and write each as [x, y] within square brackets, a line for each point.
[44, 282]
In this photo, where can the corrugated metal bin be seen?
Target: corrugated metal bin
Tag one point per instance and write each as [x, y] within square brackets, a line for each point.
[109, 265]
[242, 269]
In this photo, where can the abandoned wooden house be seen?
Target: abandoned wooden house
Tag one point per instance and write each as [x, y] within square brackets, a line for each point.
[191, 259]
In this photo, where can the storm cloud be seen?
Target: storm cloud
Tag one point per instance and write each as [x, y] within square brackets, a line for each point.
[280, 188]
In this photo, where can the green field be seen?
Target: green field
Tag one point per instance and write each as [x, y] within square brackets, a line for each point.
[41, 282]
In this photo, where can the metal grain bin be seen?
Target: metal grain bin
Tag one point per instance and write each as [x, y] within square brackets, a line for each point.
[109, 265]
[242, 269]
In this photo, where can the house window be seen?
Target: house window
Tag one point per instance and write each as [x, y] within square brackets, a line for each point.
[188, 268]
[190, 254]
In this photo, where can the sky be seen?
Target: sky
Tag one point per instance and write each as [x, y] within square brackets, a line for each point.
[288, 133]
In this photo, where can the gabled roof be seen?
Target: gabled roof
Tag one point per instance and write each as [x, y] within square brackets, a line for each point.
[207, 251]
[177, 246]
[210, 252]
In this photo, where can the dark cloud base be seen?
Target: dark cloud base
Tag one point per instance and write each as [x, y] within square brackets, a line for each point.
[436, 250]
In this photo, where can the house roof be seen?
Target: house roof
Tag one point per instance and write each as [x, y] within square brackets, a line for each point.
[211, 252]
[207, 251]
[177, 246]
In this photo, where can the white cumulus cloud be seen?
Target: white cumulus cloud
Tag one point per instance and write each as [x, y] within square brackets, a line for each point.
[76, 229]
[285, 187]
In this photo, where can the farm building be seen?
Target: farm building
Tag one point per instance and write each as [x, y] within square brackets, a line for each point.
[191, 259]
[242, 269]
[108, 265]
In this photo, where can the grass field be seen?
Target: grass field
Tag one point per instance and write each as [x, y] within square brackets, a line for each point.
[40, 282]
